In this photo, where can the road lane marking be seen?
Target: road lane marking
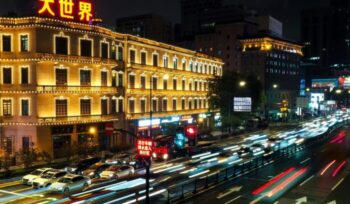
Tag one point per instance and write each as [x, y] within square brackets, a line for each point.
[232, 190]
[307, 180]
[230, 201]
[336, 185]
[257, 200]
[305, 160]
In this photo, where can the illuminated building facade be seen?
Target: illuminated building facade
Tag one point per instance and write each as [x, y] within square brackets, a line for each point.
[276, 62]
[65, 83]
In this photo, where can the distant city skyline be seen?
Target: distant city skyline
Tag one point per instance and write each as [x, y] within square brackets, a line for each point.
[287, 11]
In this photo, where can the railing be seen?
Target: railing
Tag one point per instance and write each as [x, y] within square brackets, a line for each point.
[77, 119]
[77, 89]
[166, 113]
[142, 91]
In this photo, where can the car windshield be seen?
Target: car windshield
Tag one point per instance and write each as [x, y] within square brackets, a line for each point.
[48, 175]
[36, 172]
[64, 180]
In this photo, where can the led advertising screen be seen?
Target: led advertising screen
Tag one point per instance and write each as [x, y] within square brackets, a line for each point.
[242, 104]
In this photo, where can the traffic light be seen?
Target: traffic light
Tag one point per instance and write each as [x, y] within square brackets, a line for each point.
[180, 138]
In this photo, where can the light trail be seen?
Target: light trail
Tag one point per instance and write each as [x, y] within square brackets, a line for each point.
[282, 185]
[338, 168]
[272, 181]
[327, 167]
[200, 173]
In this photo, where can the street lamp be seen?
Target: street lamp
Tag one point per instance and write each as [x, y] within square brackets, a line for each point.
[275, 86]
[92, 130]
[242, 83]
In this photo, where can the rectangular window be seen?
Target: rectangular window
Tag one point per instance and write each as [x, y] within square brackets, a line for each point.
[131, 81]
[120, 106]
[143, 58]
[190, 104]
[104, 50]
[86, 48]
[61, 77]
[24, 40]
[7, 75]
[154, 83]
[24, 75]
[143, 106]
[174, 105]
[143, 82]
[184, 65]
[196, 86]
[183, 85]
[175, 63]
[165, 105]
[61, 107]
[199, 103]
[132, 56]
[104, 78]
[120, 53]
[7, 107]
[120, 80]
[7, 43]
[154, 105]
[104, 106]
[175, 84]
[85, 77]
[25, 143]
[155, 60]
[61, 45]
[165, 84]
[85, 106]
[113, 106]
[132, 106]
[166, 62]
[195, 104]
[8, 145]
[183, 104]
[25, 107]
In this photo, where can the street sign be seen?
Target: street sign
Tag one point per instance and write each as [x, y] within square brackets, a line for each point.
[144, 147]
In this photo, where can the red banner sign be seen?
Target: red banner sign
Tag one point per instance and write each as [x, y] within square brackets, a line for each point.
[144, 147]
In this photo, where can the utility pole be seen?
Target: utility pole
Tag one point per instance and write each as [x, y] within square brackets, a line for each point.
[148, 163]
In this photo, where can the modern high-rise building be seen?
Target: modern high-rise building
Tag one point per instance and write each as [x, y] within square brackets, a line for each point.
[63, 82]
[149, 26]
[276, 62]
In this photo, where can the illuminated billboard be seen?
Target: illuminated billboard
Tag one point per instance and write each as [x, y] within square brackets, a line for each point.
[324, 83]
[242, 104]
[344, 82]
[73, 10]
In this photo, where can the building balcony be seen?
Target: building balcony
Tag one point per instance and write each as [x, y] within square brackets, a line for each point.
[157, 69]
[37, 57]
[77, 119]
[48, 121]
[157, 92]
[135, 116]
[78, 89]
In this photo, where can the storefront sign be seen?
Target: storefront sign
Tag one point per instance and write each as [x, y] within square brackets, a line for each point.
[147, 123]
[144, 147]
[73, 10]
[242, 104]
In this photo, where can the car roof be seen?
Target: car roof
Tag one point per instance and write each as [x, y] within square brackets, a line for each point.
[55, 171]
[44, 169]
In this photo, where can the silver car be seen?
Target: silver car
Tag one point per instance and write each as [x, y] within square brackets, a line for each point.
[70, 183]
[48, 178]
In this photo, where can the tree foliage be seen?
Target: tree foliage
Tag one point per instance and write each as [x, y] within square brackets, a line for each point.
[222, 91]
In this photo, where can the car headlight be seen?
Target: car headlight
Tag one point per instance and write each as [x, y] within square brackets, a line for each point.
[154, 155]
[91, 173]
[165, 156]
[111, 175]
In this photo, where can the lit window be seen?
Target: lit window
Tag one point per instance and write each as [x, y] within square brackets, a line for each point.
[25, 107]
[24, 40]
[7, 107]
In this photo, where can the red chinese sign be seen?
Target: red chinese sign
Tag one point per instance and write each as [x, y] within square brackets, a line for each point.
[144, 147]
[75, 10]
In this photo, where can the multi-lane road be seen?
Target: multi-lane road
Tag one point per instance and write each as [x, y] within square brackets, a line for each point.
[311, 174]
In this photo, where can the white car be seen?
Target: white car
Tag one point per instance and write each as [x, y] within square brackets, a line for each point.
[48, 178]
[70, 183]
[116, 172]
[28, 179]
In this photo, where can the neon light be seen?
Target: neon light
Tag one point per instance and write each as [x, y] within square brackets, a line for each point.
[282, 185]
[66, 9]
[272, 181]
[47, 7]
[338, 168]
[85, 9]
[327, 167]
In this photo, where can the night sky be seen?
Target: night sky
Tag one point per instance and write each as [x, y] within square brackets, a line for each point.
[286, 11]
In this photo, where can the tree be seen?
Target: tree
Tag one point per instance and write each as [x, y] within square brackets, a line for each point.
[46, 157]
[28, 156]
[222, 91]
